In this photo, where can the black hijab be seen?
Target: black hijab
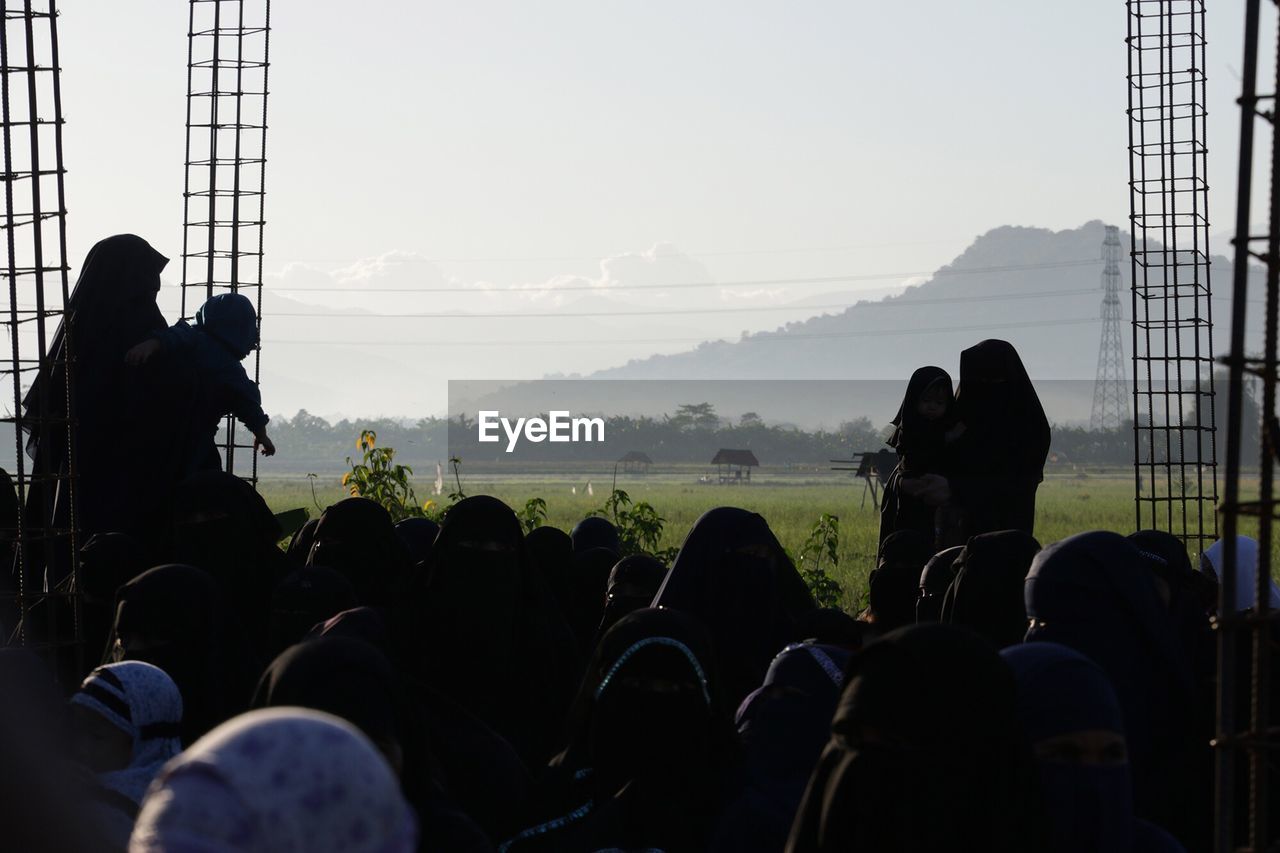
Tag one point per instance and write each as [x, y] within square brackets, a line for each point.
[633, 582]
[914, 435]
[357, 539]
[300, 543]
[987, 592]
[924, 755]
[1092, 592]
[351, 679]
[111, 308]
[649, 743]
[303, 599]
[998, 461]
[417, 536]
[175, 617]
[221, 524]
[935, 580]
[107, 562]
[895, 582]
[733, 576]
[596, 532]
[489, 629]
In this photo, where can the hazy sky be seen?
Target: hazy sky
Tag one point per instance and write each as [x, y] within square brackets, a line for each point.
[502, 144]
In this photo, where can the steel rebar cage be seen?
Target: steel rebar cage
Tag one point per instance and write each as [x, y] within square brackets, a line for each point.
[1175, 442]
[39, 595]
[224, 192]
[1253, 738]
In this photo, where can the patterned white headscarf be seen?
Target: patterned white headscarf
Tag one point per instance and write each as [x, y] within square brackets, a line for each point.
[277, 780]
[144, 703]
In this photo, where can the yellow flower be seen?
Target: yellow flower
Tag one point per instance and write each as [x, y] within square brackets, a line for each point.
[346, 478]
[426, 507]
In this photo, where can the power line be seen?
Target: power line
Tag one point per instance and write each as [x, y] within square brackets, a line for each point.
[607, 255]
[828, 279]
[763, 336]
[993, 297]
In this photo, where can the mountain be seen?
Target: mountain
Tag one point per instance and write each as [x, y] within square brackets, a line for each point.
[1037, 288]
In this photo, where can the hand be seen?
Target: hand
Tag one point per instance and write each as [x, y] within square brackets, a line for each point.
[935, 490]
[142, 352]
[263, 441]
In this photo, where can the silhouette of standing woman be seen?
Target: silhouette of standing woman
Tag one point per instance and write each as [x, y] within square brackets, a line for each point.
[997, 462]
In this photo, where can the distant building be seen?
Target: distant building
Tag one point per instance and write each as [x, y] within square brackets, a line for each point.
[635, 462]
[734, 466]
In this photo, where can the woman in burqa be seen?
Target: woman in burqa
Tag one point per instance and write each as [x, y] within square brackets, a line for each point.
[417, 535]
[107, 562]
[895, 581]
[479, 770]
[357, 539]
[935, 580]
[650, 751]
[1092, 592]
[111, 308]
[351, 679]
[924, 754]
[488, 630]
[633, 582]
[783, 727]
[919, 441]
[1072, 723]
[732, 575]
[176, 618]
[219, 523]
[987, 592]
[996, 464]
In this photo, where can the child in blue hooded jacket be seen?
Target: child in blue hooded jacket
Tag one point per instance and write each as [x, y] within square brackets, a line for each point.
[225, 332]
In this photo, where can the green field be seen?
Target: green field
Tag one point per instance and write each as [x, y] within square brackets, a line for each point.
[791, 501]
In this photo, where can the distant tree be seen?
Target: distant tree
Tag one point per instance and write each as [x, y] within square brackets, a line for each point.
[695, 416]
[750, 419]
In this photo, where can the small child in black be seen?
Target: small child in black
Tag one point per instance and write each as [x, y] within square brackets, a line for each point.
[225, 332]
[924, 426]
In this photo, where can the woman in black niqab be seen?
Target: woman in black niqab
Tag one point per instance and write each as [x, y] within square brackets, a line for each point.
[633, 582]
[175, 617]
[987, 592]
[650, 745]
[997, 463]
[357, 539]
[219, 523]
[733, 576]
[112, 308]
[925, 754]
[1093, 593]
[489, 629]
[352, 679]
[935, 580]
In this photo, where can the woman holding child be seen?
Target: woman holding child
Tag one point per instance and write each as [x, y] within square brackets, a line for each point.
[969, 464]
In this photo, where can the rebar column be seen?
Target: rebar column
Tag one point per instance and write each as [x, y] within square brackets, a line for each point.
[223, 199]
[1249, 735]
[39, 599]
[1175, 442]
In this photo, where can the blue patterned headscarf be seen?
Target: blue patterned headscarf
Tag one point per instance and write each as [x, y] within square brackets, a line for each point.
[277, 780]
[144, 703]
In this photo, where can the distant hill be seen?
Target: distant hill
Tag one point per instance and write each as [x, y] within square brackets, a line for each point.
[1039, 289]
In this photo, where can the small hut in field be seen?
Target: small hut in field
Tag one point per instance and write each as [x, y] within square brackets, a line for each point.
[635, 462]
[734, 466]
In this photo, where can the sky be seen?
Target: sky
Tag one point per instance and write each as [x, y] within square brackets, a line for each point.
[562, 149]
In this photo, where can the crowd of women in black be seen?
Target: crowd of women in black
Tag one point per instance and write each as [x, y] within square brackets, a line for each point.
[468, 687]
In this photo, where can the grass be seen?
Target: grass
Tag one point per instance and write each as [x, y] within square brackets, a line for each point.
[1067, 503]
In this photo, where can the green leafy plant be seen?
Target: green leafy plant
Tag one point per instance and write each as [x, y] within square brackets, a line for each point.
[533, 515]
[378, 478]
[639, 526]
[822, 544]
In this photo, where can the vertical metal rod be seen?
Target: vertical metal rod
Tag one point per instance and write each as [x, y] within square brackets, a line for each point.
[1225, 756]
